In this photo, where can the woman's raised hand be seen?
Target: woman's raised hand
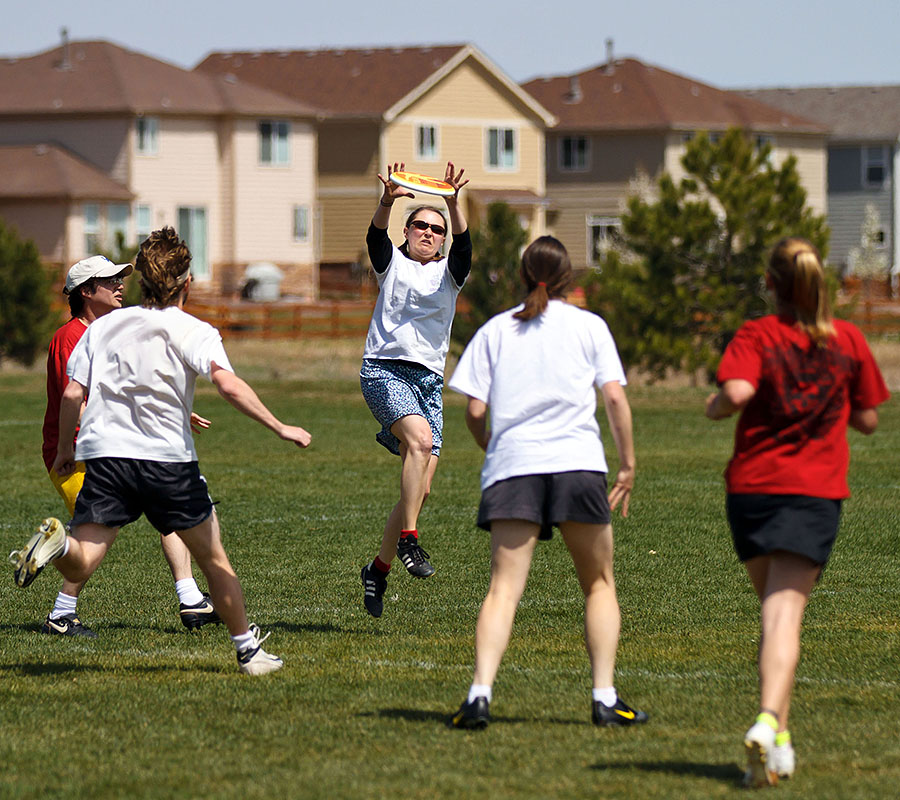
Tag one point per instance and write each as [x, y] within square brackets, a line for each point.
[392, 190]
[454, 178]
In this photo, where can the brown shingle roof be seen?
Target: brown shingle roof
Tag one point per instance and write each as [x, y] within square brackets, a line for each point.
[860, 113]
[629, 95]
[353, 82]
[48, 172]
[104, 78]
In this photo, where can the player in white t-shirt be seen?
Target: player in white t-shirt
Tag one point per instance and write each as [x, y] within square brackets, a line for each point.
[138, 368]
[402, 376]
[537, 368]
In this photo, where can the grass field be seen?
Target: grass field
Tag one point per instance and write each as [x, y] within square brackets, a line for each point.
[360, 708]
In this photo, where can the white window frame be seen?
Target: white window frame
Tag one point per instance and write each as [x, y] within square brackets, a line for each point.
[92, 228]
[300, 218]
[143, 221]
[199, 246]
[606, 223]
[277, 141]
[585, 165]
[510, 155]
[874, 156]
[146, 136]
[118, 218]
[424, 152]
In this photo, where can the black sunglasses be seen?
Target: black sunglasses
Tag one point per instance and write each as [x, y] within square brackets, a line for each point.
[421, 225]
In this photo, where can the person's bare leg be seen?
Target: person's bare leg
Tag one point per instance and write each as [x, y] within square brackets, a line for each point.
[205, 545]
[591, 547]
[177, 556]
[512, 546]
[88, 545]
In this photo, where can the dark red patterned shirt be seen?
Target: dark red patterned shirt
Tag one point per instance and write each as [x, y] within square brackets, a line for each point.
[791, 437]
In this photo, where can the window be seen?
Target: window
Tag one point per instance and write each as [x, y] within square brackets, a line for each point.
[143, 223]
[91, 213]
[603, 233]
[117, 227]
[574, 152]
[426, 143]
[874, 166]
[192, 228]
[146, 133]
[273, 142]
[501, 148]
[301, 223]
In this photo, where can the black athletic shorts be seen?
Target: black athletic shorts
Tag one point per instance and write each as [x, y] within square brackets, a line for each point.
[763, 523]
[577, 496]
[116, 491]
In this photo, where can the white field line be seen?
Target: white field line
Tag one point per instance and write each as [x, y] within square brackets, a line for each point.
[5, 422]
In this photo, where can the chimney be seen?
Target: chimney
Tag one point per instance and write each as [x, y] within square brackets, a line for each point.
[65, 63]
[610, 68]
[574, 95]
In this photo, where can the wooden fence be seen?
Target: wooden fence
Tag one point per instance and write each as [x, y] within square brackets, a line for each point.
[324, 320]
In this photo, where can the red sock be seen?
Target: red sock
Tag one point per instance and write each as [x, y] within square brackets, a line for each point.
[381, 566]
[405, 534]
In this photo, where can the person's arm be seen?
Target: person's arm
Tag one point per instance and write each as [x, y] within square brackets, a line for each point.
[377, 242]
[239, 394]
[70, 407]
[865, 420]
[476, 422]
[618, 412]
[732, 396]
[459, 259]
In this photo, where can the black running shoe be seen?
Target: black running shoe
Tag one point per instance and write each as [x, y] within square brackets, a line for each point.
[476, 714]
[67, 625]
[374, 586]
[619, 714]
[414, 558]
[195, 617]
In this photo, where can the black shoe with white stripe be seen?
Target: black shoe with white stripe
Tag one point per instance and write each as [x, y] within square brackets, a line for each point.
[67, 625]
[195, 617]
[414, 558]
[374, 586]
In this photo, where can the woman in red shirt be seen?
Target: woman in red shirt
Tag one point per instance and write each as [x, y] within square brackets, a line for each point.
[798, 377]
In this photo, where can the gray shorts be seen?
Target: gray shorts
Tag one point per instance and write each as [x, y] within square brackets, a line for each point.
[395, 389]
[547, 500]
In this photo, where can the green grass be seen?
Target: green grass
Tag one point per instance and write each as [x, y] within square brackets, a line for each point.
[361, 706]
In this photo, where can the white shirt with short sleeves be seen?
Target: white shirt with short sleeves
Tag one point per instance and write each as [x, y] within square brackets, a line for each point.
[539, 379]
[413, 313]
[140, 366]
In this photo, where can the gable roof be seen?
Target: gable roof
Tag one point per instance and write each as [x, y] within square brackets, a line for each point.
[372, 82]
[853, 113]
[102, 78]
[628, 95]
[48, 172]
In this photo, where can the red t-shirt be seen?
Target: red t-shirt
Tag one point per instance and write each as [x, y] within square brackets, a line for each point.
[791, 437]
[61, 346]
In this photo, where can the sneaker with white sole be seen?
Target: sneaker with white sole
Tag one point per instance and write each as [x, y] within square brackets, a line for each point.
[783, 761]
[254, 660]
[759, 742]
[48, 543]
[414, 558]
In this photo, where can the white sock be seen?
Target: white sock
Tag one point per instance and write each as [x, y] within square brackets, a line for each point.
[607, 695]
[187, 592]
[479, 690]
[65, 604]
[243, 640]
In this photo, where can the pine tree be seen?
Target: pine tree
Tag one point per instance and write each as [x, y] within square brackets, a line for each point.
[694, 258]
[494, 283]
[26, 322]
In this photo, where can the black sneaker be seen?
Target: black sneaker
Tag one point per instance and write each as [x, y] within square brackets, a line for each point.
[619, 714]
[374, 586]
[67, 625]
[195, 617]
[476, 714]
[414, 558]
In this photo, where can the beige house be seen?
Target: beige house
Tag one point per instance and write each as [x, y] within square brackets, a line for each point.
[623, 123]
[98, 141]
[423, 106]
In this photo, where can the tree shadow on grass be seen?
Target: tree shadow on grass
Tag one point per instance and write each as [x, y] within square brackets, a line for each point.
[727, 773]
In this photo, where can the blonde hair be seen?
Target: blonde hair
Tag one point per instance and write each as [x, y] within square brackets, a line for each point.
[164, 262]
[546, 272]
[799, 281]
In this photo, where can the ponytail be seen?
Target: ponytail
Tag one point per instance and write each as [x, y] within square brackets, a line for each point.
[546, 273]
[799, 280]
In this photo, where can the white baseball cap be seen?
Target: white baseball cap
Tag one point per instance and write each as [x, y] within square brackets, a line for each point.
[94, 267]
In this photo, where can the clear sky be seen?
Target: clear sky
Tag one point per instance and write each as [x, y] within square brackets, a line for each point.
[721, 42]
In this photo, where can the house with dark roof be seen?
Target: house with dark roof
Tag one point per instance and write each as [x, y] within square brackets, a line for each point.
[420, 105]
[624, 122]
[97, 140]
[863, 160]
